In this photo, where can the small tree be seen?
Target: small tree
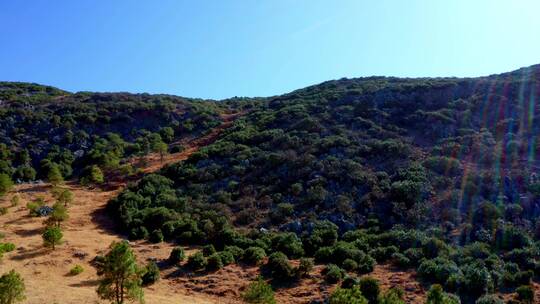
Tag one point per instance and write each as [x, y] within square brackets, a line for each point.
[5, 184]
[65, 197]
[58, 215]
[52, 236]
[55, 176]
[92, 175]
[96, 175]
[167, 134]
[162, 149]
[121, 277]
[11, 288]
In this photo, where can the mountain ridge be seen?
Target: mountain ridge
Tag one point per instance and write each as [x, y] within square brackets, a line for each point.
[534, 68]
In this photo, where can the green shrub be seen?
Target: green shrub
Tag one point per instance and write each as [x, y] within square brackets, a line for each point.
[77, 269]
[347, 296]
[156, 236]
[52, 236]
[343, 250]
[393, 296]
[437, 270]
[11, 288]
[227, 257]
[370, 289]
[476, 280]
[415, 255]
[514, 279]
[5, 184]
[366, 264]
[349, 282]
[197, 261]
[214, 262]
[254, 255]
[289, 244]
[138, 233]
[34, 206]
[349, 265]
[208, 250]
[433, 248]
[177, 255]
[436, 295]
[236, 252]
[400, 260]
[151, 274]
[305, 267]
[3, 210]
[333, 274]
[259, 292]
[382, 254]
[489, 299]
[525, 294]
[324, 255]
[7, 247]
[279, 266]
[92, 175]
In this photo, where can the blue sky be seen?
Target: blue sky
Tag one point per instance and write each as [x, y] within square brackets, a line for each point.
[219, 49]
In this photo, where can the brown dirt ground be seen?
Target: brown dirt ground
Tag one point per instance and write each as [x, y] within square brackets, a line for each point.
[88, 233]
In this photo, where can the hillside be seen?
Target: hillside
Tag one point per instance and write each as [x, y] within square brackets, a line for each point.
[431, 179]
[349, 149]
[446, 163]
[43, 127]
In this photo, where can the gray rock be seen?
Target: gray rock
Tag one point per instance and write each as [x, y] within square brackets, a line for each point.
[44, 210]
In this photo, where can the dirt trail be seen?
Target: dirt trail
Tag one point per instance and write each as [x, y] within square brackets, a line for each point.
[87, 233]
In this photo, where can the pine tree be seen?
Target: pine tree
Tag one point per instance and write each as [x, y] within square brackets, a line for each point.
[5, 184]
[55, 176]
[52, 236]
[121, 277]
[11, 288]
[58, 215]
[65, 197]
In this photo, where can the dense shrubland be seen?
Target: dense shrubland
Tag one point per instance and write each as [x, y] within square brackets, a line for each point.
[433, 175]
[437, 175]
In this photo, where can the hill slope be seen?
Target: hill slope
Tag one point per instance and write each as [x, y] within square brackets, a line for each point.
[346, 149]
[42, 127]
[433, 176]
[445, 167]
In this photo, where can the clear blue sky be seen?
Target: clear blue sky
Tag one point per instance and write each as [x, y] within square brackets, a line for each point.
[219, 49]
